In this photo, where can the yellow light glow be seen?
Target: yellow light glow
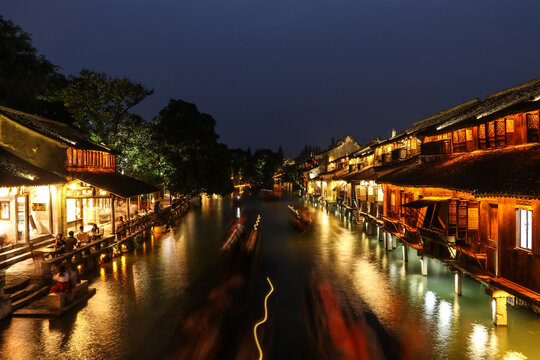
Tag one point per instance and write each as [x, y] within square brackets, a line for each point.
[4, 191]
[42, 194]
[73, 185]
[114, 266]
[264, 319]
[13, 191]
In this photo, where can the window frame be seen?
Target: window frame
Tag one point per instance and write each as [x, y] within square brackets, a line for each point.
[528, 226]
[8, 209]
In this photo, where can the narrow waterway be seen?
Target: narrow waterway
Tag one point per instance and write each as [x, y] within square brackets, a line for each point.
[142, 297]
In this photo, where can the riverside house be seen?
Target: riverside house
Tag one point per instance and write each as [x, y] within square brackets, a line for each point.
[53, 180]
[471, 196]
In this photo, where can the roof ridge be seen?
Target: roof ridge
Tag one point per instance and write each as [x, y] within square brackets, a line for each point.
[447, 111]
[514, 88]
[37, 117]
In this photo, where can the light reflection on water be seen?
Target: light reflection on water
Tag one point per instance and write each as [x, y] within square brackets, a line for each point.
[423, 311]
[135, 303]
[137, 295]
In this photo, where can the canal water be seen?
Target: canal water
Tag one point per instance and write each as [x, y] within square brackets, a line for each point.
[142, 297]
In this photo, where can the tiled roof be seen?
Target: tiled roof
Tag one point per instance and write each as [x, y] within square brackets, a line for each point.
[17, 172]
[512, 171]
[53, 129]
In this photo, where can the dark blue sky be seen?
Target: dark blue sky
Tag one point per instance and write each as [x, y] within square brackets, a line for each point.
[295, 72]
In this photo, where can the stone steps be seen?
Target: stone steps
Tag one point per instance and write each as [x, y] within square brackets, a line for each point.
[31, 296]
[20, 253]
[16, 285]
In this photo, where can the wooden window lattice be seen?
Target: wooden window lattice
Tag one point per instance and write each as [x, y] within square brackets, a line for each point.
[482, 131]
[491, 129]
[501, 130]
[532, 121]
[509, 125]
[461, 136]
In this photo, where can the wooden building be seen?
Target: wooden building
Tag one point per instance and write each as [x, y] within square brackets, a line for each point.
[321, 174]
[74, 179]
[471, 196]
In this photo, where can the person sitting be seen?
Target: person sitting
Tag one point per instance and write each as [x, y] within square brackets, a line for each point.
[82, 236]
[121, 221]
[94, 232]
[157, 207]
[63, 281]
[136, 215]
[60, 244]
[71, 242]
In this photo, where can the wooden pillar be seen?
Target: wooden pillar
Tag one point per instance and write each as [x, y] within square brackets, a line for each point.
[457, 282]
[50, 211]
[138, 202]
[128, 202]
[394, 241]
[113, 213]
[27, 218]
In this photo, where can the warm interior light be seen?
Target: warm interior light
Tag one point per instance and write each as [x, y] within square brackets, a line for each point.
[4, 191]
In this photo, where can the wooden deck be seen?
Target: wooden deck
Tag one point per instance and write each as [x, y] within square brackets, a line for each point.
[516, 290]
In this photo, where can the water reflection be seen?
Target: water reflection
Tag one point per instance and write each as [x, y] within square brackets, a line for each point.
[135, 303]
[422, 310]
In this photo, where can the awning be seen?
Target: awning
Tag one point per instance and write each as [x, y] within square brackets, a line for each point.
[420, 203]
[118, 184]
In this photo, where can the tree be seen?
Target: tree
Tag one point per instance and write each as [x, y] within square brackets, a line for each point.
[137, 156]
[241, 165]
[280, 155]
[265, 163]
[100, 104]
[190, 159]
[25, 75]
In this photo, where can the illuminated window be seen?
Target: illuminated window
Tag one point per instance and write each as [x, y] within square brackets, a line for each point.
[4, 210]
[73, 209]
[524, 228]
[459, 140]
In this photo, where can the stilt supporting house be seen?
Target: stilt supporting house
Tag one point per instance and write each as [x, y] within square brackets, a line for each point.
[457, 282]
[423, 266]
[405, 251]
[498, 305]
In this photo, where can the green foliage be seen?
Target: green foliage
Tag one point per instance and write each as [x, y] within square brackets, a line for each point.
[100, 104]
[25, 75]
[266, 163]
[190, 159]
[242, 168]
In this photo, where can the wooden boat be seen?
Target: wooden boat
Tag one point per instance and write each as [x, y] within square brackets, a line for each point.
[300, 219]
[56, 304]
[270, 195]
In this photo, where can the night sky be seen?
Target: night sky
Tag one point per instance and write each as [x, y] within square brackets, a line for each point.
[295, 72]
